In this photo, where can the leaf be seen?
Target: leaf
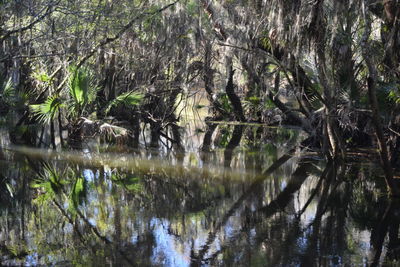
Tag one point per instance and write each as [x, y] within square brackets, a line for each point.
[394, 92]
[81, 89]
[10, 189]
[8, 93]
[129, 99]
[42, 77]
[268, 104]
[131, 183]
[79, 85]
[78, 193]
[47, 110]
[49, 182]
[254, 99]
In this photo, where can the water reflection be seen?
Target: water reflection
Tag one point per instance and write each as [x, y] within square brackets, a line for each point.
[248, 197]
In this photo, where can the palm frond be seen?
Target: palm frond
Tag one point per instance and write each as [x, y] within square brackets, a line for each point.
[8, 93]
[49, 182]
[79, 85]
[129, 99]
[77, 194]
[344, 96]
[82, 90]
[110, 131]
[47, 110]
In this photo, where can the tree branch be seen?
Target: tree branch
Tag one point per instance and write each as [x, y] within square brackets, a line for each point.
[48, 11]
[121, 32]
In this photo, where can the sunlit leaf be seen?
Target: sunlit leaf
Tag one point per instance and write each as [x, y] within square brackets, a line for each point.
[81, 89]
[10, 189]
[79, 85]
[78, 193]
[8, 93]
[129, 99]
[42, 77]
[47, 110]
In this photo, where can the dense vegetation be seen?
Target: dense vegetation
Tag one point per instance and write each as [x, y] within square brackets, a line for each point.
[125, 72]
[112, 68]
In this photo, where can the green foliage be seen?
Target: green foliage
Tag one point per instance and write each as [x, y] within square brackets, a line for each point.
[252, 105]
[47, 110]
[130, 183]
[129, 99]
[223, 140]
[265, 41]
[268, 104]
[286, 135]
[42, 77]
[14, 251]
[271, 151]
[394, 93]
[8, 93]
[192, 8]
[150, 25]
[77, 194]
[387, 94]
[52, 184]
[394, 96]
[49, 184]
[7, 191]
[79, 85]
[254, 100]
[81, 89]
[225, 103]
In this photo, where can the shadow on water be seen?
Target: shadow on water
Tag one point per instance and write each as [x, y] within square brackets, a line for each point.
[231, 195]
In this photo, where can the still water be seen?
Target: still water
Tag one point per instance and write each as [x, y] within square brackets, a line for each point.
[227, 195]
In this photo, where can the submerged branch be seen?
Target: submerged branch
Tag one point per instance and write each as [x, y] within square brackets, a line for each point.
[198, 260]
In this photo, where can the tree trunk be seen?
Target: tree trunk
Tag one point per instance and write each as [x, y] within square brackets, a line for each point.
[233, 98]
[383, 151]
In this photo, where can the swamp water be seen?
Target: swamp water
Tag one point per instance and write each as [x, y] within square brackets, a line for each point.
[229, 195]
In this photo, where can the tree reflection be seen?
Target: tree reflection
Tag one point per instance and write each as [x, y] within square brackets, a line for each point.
[289, 209]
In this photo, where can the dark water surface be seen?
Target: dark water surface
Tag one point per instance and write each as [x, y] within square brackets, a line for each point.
[228, 195]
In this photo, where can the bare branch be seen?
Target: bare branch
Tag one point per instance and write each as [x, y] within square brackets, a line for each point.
[48, 11]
